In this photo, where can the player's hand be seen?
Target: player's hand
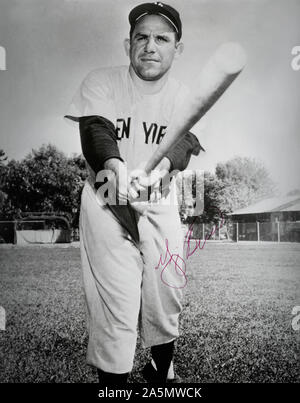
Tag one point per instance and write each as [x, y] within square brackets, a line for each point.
[148, 186]
[123, 191]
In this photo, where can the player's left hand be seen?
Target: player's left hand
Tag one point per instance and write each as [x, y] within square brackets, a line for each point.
[148, 185]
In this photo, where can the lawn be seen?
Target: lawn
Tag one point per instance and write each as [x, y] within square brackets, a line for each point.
[235, 326]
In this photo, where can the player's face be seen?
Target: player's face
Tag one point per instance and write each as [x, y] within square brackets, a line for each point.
[153, 47]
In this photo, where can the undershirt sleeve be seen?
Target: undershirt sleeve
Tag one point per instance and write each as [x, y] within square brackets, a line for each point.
[181, 153]
[93, 97]
[98, 140]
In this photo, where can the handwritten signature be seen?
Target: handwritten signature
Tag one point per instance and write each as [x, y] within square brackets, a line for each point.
[178, 263]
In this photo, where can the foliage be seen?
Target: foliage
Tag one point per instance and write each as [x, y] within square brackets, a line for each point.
[3, 159]
[212, 188]
[45, 180]
[236, 183]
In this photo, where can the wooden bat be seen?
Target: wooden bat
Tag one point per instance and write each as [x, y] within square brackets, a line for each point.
[217, 75]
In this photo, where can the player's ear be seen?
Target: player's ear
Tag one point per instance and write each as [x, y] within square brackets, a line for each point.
[127, 46]
[179, 49]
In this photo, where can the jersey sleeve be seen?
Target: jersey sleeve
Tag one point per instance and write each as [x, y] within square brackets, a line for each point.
[93, 97]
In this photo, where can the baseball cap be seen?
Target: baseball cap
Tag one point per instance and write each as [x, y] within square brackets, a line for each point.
[166, 11]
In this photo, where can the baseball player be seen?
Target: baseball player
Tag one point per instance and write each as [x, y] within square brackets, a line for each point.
[123, 113]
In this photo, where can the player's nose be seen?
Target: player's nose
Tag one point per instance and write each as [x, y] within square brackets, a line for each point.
[150, 45]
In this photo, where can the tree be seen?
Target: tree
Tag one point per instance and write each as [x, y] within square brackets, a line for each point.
[3, 157]
[213, 188]
[44, 181]
[237, 183]
[3, 160]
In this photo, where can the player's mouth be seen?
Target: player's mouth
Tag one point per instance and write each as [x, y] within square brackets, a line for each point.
[149, 60]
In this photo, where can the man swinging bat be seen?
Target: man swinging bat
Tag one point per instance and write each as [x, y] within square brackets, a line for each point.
[127, 115]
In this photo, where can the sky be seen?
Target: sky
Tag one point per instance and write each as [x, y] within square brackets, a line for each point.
[52, 44]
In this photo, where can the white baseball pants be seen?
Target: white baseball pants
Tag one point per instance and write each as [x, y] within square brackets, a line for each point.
[124, 287]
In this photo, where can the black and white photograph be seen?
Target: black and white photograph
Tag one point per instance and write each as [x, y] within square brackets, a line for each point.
[150, 194]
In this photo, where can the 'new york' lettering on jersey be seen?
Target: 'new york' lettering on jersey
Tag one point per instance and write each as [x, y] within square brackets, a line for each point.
[153, 133]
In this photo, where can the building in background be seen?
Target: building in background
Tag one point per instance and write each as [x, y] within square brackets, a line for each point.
[274, 219]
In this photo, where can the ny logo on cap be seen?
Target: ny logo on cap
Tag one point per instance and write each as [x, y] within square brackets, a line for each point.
[158, 4]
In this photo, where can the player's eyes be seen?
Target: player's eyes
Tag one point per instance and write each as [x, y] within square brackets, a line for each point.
[158, 39]
[162, 39]
[141, 38]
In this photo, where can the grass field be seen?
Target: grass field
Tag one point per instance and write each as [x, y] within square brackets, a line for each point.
[235, 326]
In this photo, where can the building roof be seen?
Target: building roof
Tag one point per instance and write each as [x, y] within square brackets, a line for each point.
[294, 207]
[273, 204]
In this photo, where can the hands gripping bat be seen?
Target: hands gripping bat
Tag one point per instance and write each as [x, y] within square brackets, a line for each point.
[217, 75]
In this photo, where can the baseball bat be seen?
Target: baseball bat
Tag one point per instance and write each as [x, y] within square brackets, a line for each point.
[219, 72]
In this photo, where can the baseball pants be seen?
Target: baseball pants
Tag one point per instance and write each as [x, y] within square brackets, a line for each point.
[126, 288]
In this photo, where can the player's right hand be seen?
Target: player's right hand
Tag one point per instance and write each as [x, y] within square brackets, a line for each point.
[123, 190]
[147, 186]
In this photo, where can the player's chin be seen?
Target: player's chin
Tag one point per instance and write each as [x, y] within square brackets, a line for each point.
[151, 74]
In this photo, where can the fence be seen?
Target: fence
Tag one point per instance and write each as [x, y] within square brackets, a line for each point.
[214, 231]
[287, 231]
[40, 231]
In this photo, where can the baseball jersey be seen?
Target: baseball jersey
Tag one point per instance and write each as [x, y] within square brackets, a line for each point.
[140, 119]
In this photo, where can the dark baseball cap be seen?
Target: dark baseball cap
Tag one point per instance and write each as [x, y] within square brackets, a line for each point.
[166, 11]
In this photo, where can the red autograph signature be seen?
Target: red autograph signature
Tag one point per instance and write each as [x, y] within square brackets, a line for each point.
[179, 266]
[176, 261]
